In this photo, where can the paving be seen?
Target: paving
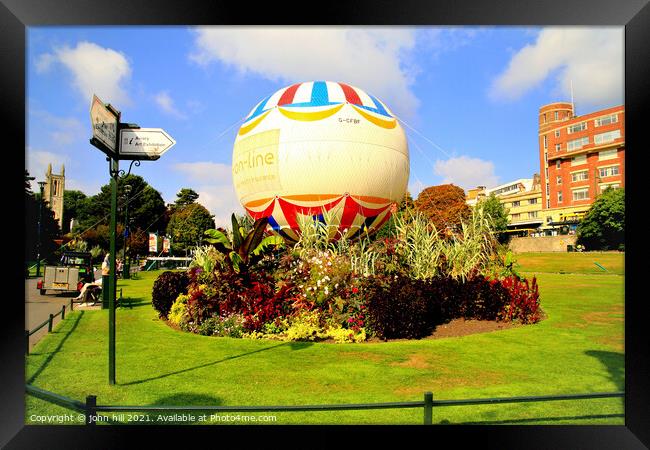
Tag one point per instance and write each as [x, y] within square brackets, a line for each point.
[39, 307]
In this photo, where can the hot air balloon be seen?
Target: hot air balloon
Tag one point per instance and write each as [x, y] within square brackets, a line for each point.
[322, 151]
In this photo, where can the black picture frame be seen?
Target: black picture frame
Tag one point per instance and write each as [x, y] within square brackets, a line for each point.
[634, 15]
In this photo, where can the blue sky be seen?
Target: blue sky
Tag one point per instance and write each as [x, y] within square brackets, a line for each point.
[469, 95]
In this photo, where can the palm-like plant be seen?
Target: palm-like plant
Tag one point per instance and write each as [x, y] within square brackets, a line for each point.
[242, 251]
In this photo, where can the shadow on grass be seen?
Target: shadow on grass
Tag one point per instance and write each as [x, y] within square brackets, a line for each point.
[537, 419]
[201, 366]
[51, 354]
[614, 362]
[171, 417]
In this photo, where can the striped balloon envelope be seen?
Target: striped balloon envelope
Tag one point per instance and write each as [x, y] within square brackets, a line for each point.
[322, 151]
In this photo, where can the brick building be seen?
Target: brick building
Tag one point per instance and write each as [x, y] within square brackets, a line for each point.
[579, 156]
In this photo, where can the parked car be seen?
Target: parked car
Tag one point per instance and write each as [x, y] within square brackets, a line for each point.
[73, 271]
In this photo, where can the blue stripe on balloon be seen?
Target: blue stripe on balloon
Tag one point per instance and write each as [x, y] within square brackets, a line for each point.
[319, 94]
[259, 110]
[380, 108]
[381, 111]
[273, 223]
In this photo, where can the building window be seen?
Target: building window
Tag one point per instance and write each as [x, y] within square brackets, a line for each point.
[559, 196]
[577, 143]
[602, 121]
[515, 203]
[546, 172]
[610, 171]
[558, 180]
[544, 117]
[548, 204]
[515, 216]
[532, 214]
[545, 143]
[558, 147]
[557, 115]
[546, 157]
[557, 133]
[581, 194]
[607, 186]
[607, 154]
[604, 138]
[576, 128]
[532, 201]
[579, 176]
[558, 164]
[576, 161]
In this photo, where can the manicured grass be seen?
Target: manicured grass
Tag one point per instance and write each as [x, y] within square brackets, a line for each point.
[577, 349]
[584, 262]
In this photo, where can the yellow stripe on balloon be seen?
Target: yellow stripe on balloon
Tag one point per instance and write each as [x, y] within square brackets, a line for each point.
[310, 116]
[245, 129]
[391, 123]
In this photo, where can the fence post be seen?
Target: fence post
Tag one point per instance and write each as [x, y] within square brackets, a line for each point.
[428, 408]
[90, 411]
[49, 324]
[27, 342]
[62, 312]
[71, 304]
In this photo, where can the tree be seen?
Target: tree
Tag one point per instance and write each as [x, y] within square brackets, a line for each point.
[73, 203]
[49, 226]
[497, 212]
[603, 227]
[444, 205]
[186, 196]
[187, 225]
[146, 206]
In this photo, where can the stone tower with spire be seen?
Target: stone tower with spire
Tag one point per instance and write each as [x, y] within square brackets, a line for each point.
[53, 192]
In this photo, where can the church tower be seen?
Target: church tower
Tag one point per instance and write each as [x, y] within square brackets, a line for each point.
[53, 192]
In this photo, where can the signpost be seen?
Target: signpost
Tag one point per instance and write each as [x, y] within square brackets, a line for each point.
[121, 141]
[145, 143]
[104, 120]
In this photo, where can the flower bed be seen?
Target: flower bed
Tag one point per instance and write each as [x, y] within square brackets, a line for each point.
[348, 292]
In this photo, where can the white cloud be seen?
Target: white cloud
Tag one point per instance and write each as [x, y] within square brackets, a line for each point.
[166, 104]
[591, 58]
[95, 70]
[206, 172]
[213, 182]
[415, 187]
[44, 62]
[369, 58]
[62, 131]
[36, 162]
[466, 172]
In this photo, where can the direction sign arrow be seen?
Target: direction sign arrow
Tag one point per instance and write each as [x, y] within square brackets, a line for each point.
[144, 143]
[104, 123]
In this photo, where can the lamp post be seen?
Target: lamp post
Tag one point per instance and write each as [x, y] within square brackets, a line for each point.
[41, 185]
[125, 266]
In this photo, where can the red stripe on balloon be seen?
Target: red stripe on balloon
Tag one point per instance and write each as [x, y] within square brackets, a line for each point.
[350, 94]
[259, 214]
[288, 94]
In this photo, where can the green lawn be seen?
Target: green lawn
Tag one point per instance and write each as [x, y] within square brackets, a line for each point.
[584, 262]
[577, 349]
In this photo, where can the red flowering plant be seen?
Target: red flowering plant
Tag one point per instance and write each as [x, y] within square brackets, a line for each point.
[524, 300]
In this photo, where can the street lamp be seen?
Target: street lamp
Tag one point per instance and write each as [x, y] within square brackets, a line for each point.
[41, 184]
[125, 266]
